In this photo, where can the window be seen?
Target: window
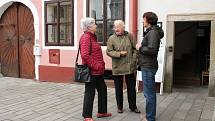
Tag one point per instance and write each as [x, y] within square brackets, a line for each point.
[105, 13]
[59, 23]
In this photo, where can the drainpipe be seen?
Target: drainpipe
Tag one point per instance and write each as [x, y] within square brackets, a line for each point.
[134, 13]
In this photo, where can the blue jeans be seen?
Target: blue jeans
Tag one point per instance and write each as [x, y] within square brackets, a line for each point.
[149, 91]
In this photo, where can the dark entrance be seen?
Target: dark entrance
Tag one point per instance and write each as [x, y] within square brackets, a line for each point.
[17, 41]
[191, 53]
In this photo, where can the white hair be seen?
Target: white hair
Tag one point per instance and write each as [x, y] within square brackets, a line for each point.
[119, 22]
[86, 22]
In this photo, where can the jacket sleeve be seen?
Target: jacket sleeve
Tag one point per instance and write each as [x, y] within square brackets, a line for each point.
[133, 44]
[153, 43]
[85, 50]
[110, 50]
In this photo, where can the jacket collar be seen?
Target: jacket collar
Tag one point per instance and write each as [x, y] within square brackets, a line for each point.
[90, 33]
[147, 30]
[124, 34]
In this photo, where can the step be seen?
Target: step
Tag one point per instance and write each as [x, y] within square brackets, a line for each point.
[187, 82]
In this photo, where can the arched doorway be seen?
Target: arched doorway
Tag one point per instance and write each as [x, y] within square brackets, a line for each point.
[17, 41]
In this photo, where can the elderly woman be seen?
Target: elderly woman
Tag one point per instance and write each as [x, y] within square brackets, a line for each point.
[121, 48]
[91, 55]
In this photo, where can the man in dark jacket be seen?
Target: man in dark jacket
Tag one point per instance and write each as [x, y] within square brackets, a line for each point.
[147, 60]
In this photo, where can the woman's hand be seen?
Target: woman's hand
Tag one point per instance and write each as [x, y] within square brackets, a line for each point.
[138, 46]
[123, 53]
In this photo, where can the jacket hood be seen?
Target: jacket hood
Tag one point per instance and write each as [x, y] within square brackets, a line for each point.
[159, 30]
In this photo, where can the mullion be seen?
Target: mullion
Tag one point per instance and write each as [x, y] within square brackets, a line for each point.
[58, 21]
[123, 10]
[46, 28]
[72, 24]
[104, 21]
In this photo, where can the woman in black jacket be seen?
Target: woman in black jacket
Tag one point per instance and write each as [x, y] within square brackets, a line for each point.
[147, 60]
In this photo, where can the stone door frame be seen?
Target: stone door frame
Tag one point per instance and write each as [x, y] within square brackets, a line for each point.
[170, 40]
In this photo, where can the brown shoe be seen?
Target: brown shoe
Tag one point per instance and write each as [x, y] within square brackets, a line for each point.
[120, 110]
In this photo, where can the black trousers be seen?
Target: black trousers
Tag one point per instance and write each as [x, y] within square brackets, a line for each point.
[97, 82]
[131, 91]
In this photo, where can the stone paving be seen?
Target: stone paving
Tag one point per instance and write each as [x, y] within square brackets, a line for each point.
[27, 100]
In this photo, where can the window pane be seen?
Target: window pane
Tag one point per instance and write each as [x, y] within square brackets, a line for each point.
[96, 9]
[99, 32]
[114, 10]
[110, 24]
[51, 13]
[65, 12]
[52, 33]
[65, 34]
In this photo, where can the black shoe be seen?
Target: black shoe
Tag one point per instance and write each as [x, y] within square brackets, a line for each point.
[136, 110]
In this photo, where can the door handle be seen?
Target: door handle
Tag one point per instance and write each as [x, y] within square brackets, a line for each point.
[170, 48]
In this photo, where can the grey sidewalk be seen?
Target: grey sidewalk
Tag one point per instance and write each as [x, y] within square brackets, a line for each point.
[27, 100]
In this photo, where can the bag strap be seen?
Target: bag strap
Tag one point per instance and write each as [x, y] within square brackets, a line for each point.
[79, 50]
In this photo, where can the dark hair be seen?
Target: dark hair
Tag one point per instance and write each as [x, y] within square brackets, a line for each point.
[151, 18]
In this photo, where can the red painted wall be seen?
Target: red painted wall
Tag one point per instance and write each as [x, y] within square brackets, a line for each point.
[56, 74]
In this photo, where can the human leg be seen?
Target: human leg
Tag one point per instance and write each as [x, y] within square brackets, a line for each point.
[118, 81]
[149, 92]
[89, 95]
[131, 91]
[102, 94]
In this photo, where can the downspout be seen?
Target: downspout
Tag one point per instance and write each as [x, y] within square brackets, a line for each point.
[134, 8]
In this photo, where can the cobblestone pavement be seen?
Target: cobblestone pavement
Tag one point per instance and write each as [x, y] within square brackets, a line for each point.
[27, 100]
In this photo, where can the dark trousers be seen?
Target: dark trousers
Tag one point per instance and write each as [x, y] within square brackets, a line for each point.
[97, 82]
[131, 91]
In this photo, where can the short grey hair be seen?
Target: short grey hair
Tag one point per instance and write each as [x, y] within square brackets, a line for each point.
[119, 22]
[87, 22]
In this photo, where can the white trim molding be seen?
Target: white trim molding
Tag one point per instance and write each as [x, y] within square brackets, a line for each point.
[127, 7]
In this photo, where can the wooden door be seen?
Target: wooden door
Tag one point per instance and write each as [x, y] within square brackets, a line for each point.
[26, 42]
[16, 42]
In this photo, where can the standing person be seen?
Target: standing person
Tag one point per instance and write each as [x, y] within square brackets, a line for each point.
[91, 55]
[148, 51]
[121, 48]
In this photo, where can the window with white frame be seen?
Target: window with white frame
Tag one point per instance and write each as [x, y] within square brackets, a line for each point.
[59, 20]
[105, 13]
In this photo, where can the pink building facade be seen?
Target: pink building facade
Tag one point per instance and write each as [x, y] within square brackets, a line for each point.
[45, 33]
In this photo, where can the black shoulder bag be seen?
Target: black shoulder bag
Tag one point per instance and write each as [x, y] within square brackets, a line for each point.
[82, 71]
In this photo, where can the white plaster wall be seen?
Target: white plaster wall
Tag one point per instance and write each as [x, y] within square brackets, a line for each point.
[164, 7]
